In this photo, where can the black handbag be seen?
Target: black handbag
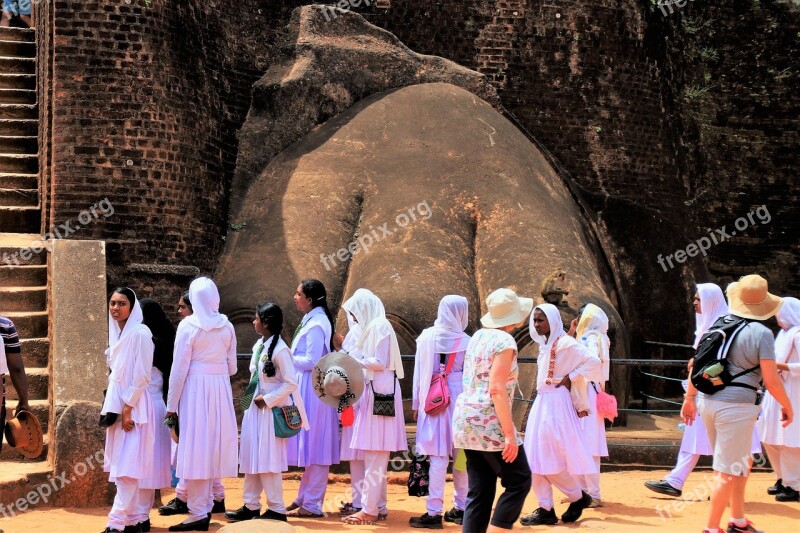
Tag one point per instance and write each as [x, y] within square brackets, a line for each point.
[383, 404]
[419, 476]
[109, 419]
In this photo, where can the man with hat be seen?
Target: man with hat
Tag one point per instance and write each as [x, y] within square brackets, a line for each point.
[730, 414]
[11, 364]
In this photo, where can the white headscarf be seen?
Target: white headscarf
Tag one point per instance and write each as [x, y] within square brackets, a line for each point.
[354, 331]
[789, 320]
[204, 295]
[370, 313]
[118, 339]
[446, 336]
[556, 326]
[712, 305]
[594, 323]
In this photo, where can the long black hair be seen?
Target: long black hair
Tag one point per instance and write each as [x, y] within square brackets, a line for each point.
[187, 301]
[314, 289]
[163, 337]
[127, 293]
[271, 316]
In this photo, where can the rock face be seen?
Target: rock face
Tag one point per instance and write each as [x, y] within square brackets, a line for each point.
[78, 459]
[414, 193]
[323, 67]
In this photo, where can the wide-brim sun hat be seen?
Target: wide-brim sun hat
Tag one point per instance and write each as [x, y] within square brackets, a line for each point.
[506, 309]
[750, 298]
[329, 383]
[24, 434]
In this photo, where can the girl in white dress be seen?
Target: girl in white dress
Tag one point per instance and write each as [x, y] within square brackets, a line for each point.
[379, 354]
[445, 340]
[131, 437]
[263, 455]
[200, 394]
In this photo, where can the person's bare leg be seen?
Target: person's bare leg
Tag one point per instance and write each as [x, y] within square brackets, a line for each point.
[5, 20]
[27, 20]
[495, 529]
[739, 484]
[720, 498]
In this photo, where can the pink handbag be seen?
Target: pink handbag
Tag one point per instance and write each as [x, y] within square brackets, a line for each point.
[439, 394]
[606, 404]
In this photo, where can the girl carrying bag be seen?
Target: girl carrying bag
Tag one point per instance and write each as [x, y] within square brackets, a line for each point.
[288, 421]
[439, 393]
[383, 404]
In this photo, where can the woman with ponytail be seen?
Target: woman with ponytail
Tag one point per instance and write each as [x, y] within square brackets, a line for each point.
[263, 455]
[317, 449]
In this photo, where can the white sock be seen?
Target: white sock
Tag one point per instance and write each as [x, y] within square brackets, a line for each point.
[739, 522]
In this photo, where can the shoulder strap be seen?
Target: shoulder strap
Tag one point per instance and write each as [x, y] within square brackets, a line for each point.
[451, 359]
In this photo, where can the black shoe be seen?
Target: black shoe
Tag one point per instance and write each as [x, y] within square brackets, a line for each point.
[145, 526]
[662, 487]
[197, 525]
[175, 506]
[426, 521]
[269, 514]
[219, 506]
[456, 516]
[732, 528]
[776, 489]
[111, 530]
[540, 517]
[242, 513]
[788, 495]
[575, 509]
[133, 529]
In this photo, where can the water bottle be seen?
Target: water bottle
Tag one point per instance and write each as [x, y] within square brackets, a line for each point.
[681, 427]
[583, 340]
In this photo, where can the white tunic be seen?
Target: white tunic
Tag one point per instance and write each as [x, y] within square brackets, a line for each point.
[160, 475]
[769, 424]
[593, 425]
[262, 451]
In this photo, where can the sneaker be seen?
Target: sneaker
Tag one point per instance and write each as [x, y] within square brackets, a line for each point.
[540, 517]
[269, 514]
[788, 495]
[596, 502]
[455, 516]
[426, 521]
[733, 528]
[175, 506]
[662, 487]
[219, 506]
[576, 508]
[776, 489]
[242, 513]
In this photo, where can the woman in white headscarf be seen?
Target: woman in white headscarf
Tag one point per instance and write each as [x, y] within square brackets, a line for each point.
[783, 443]
[439, 347]
[131, 437]
[592, 332]
[379, 355]
[200, 393]
[556, 453]
[709, 306]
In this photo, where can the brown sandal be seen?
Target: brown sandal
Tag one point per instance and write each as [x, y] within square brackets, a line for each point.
[301, 512]
[362, 520]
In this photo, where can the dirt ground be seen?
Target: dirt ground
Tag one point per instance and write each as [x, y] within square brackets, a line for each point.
[629, 507]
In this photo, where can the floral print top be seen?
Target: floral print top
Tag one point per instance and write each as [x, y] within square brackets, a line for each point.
[475, 422]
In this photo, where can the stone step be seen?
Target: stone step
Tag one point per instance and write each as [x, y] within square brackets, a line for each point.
[19, 197]
[23, 299]
[18, 180]
[17, 96]
[40, 408]
[17, 81]
[18, 110]
[19, 126]
[38, 382]
[35, 352]
[20, 219]
[22, 163]
[21, 249]
[18, 65]
[19, 144]
[25, 35]
[17, 48]
[18, 478]
[23, 276]
[29, 325]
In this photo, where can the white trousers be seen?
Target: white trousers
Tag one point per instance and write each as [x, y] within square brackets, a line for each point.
[437, 473]
[271, 484]
[357, 482]
[563, 481]
[785, 461]
[313, 485]
[374, 483]
[125, 503]
[144, 503]
[590, 483]
[199, 498]
[686, 463]
[217, 490]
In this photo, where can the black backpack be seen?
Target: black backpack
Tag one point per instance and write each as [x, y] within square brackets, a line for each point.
[712, 350]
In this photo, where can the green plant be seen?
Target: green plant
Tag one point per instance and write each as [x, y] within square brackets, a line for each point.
[237, 227]
[598, 129]
[693, 91]
[708, 54]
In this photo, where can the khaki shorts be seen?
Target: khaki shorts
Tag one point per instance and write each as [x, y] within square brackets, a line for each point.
[730, 432]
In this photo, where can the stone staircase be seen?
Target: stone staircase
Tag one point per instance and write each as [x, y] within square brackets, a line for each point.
[23, 273]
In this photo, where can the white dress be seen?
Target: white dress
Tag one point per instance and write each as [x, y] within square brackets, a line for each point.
[160, 475]
[262, 451]
[769, 424]
[347, 452]
[200, 392]
[594, 425]
[435, 433]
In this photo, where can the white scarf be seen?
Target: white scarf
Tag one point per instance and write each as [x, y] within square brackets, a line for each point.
[204, 295]
[446, 336]
[712, 305]
[370, 313]
[789, 320]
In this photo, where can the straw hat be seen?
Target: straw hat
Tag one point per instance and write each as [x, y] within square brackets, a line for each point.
[335, 375]
[506, 309]
[750, 298]
[24, 433]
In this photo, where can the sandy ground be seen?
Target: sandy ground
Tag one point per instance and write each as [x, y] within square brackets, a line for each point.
[629, 507]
